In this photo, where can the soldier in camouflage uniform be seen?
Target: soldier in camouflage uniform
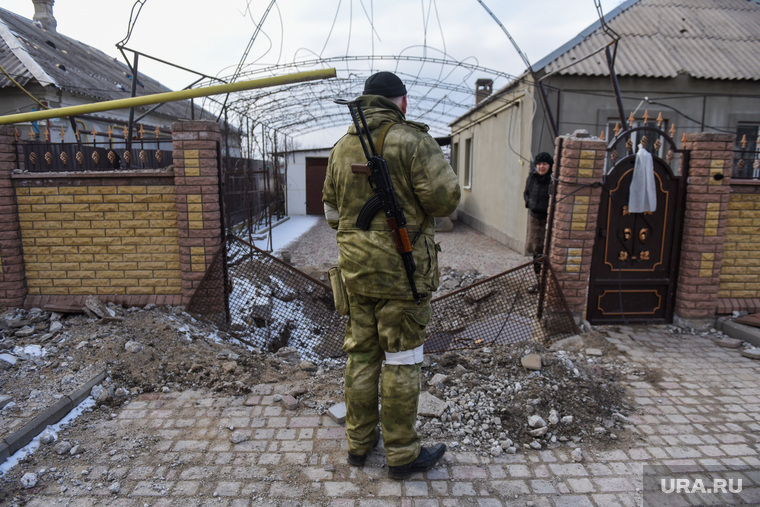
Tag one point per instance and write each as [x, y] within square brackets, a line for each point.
[385, 322]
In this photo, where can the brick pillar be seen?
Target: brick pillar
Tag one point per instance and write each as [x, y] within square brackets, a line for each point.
[704, 228]
[12, 273]
[196, 147]
[580, 162]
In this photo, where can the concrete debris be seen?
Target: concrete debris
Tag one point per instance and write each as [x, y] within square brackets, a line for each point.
[289, 402]
[338, 413]
[572, 344]
[29, 480]
[531, 362]
[438, 378]
[536, 421]
[430, 406]
[729, 343]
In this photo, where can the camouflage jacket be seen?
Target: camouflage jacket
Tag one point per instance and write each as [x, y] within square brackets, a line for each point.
[425, 187]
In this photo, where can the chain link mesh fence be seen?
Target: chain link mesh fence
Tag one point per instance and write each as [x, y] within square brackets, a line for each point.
[266, 303]
[524, 303]
[269, 304]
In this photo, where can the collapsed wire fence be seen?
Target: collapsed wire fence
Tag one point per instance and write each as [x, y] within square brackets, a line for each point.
[266, 303]
[521, 304]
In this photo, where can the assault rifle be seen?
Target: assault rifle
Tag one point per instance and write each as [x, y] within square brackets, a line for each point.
[384, 197]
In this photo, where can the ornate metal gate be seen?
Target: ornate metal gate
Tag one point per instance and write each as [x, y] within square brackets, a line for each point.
[634, 266]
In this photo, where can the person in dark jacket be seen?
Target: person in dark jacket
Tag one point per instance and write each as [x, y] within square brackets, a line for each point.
[536, 196]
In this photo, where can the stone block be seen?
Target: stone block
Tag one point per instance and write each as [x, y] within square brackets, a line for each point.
[430, 406]
[729, 343]
[338, 413]
[531, 362]
[438, 378]
[289, 402]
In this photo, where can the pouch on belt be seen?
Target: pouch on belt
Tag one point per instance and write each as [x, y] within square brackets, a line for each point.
[340, 296]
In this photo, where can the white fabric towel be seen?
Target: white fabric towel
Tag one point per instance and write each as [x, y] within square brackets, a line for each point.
[642, 194]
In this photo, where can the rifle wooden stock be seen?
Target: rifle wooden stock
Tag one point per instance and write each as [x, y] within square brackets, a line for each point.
[358, 168]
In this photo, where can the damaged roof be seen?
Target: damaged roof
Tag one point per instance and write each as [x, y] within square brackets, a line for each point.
[31, 54]
[705, 39]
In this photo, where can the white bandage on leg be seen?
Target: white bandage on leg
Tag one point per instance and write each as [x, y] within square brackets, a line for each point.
[413, 356]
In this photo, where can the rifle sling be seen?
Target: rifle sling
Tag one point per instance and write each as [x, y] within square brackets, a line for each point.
[379, 146]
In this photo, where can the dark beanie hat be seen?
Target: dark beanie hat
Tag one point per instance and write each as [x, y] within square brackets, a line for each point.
[544, 157]
[384, 83]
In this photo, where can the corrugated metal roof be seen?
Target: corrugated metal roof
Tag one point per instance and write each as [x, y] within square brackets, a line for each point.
[74, 67]
[706, 39]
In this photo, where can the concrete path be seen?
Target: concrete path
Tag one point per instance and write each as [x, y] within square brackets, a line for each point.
[703, 411]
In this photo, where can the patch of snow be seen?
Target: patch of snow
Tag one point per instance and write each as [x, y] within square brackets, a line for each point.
[287, 232]
[32, 446]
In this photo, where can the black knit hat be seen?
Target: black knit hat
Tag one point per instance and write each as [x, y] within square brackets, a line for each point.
[384, 83]
[544, 157]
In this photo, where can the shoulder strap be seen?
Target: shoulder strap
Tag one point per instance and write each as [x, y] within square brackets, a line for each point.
[381, 137]
[379, 148]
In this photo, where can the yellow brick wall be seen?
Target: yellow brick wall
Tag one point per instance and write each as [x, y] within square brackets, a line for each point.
[82, 240]
[740, 274]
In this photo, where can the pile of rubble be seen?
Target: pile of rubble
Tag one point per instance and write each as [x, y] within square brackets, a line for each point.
[525, 396]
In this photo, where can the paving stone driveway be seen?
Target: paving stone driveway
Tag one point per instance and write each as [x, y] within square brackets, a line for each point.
[703, 411]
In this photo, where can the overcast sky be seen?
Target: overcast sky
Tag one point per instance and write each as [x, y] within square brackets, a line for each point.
[211, 36]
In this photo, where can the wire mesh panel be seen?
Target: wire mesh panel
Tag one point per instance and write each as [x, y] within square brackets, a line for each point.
[271, 305]
[514, 306]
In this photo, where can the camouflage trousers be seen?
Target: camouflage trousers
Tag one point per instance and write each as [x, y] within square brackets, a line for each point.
[378, 330]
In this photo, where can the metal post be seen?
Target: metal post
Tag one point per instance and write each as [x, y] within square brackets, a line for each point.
[132, 110]
[110, 105]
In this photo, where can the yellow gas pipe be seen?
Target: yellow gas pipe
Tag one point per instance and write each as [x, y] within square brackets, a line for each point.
[157, 98]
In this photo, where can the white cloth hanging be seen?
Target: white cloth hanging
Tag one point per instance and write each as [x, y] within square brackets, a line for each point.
[642, 195]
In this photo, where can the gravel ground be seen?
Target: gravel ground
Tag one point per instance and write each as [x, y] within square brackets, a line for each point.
[463, 249]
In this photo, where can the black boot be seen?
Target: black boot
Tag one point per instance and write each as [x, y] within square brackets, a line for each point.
[426, 460]
[358, 460]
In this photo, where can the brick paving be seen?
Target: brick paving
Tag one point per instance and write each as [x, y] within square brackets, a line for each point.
[704, 409]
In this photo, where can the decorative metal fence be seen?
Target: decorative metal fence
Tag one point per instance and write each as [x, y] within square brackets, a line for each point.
[746, 165]
[109, 154]
[269, 304]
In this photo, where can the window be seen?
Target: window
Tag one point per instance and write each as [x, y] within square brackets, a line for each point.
[468, 163]
[746, 154]
[455, 157]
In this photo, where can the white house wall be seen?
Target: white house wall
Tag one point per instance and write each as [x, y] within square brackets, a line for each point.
[493, 203]
[297, 179]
